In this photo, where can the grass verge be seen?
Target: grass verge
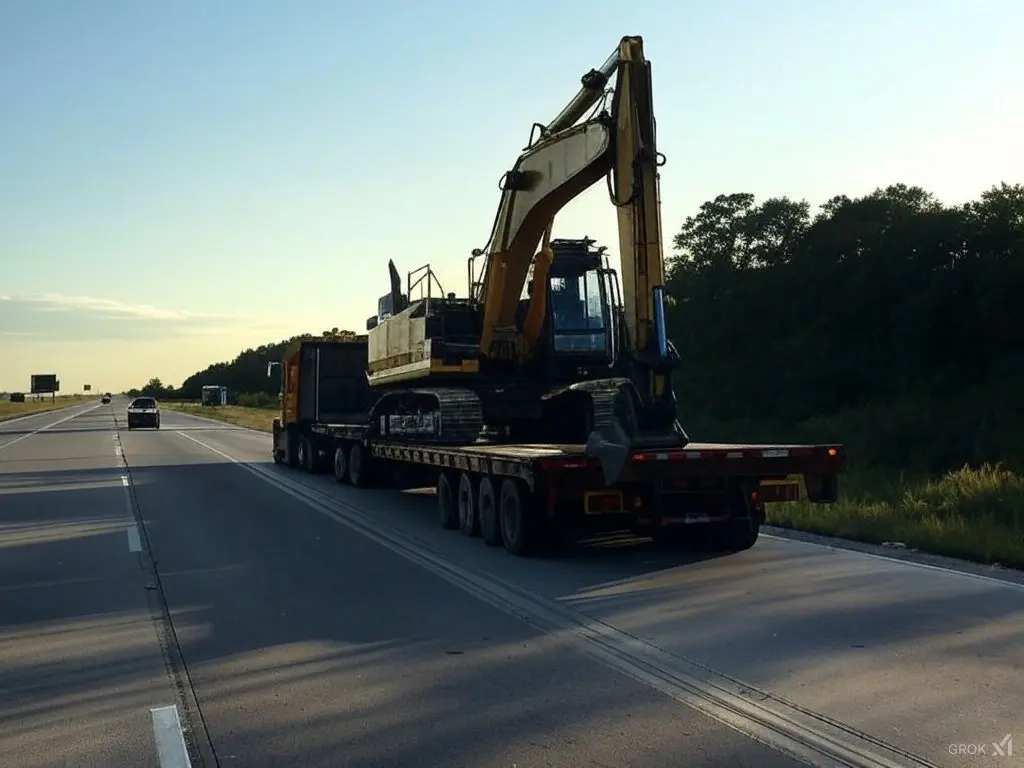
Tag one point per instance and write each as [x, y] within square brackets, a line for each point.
[974, 514]
[9, 410]
[252, 418]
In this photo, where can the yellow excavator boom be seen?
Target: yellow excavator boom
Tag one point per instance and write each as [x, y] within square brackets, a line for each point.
[569, 157]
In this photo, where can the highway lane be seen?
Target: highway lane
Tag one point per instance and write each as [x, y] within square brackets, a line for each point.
[926, 660]
[308, 644]
[81, 662]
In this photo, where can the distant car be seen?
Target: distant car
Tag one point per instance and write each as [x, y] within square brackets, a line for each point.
[144, 412]
[17, 397]
[105, 399]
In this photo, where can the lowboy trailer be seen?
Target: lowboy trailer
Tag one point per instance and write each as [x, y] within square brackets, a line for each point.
[525, 496]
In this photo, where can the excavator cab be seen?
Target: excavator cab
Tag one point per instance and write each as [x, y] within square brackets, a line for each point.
[582, 330]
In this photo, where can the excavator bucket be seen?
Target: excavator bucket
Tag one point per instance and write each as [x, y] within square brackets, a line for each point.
[612, 447]
[614, 442]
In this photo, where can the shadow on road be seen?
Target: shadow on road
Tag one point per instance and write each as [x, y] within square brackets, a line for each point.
[310, 644]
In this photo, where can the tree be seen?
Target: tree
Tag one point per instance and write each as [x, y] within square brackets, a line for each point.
[891, 295]
[247, 372]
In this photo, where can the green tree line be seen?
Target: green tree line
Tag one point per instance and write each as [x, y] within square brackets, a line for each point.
[892, 322]
[245, 376]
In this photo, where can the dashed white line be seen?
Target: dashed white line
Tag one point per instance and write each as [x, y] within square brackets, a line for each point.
[9, 443]
[134, 542]
[170, 739]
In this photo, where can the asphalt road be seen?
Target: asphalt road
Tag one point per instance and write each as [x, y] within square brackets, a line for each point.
[293, 621]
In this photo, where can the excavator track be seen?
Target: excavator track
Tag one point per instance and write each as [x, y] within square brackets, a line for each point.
[447, 416]
[604, 395]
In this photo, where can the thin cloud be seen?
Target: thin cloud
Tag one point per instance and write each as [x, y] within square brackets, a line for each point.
[96, 318]
[110, 308]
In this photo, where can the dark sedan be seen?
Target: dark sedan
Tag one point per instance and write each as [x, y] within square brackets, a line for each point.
[143, 412]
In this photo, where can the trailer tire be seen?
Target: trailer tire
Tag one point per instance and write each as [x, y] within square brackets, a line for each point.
[487, 510]
[737, 535]
[469, 522]
[341, 464]
[519, 531]
[447, 505]
[317, 461]
[358, 467]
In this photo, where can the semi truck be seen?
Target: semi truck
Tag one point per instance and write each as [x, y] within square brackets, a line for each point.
[544, 399]
[527, 497]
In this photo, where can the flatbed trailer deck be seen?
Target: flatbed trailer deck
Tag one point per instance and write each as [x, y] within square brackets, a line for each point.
[704, 488]
[525, 496]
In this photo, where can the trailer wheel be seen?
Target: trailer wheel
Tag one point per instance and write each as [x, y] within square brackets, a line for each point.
[447, 505]
[341, 464]
[469, 523]
[358, 466]
[518, 530]
[487, 509]
[736, 535]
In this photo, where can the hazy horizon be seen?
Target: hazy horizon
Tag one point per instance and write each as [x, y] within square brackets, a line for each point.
[181, 183]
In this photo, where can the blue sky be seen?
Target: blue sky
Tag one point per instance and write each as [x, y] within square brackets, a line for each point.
[181, 181]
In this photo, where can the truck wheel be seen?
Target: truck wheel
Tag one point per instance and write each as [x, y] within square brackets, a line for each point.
[292, 441]
[447, 506]
[518, 532]
[487, 509]
[358, 471]
[469, 523]
[305, 454]
[341, 464]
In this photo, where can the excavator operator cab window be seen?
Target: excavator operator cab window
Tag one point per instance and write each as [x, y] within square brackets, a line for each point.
[578, 307]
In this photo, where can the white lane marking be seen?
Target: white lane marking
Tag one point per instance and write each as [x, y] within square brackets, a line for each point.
[787, 727]
[946, 570]
[134, 542]
[43, 429]
[134, 539]
[170, 739]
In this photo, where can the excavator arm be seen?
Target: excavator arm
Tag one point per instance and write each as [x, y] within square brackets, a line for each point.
[569, 157]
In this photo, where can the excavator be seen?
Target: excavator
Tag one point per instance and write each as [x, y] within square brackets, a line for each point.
[547, 347]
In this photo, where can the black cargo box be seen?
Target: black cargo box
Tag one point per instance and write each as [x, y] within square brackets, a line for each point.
[332, 382]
